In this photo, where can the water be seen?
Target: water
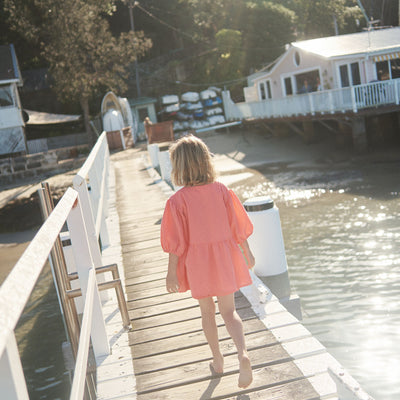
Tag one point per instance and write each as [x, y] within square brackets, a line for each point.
[40, 330]
[341, 228]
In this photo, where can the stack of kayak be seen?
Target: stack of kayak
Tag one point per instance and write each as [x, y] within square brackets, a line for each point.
[193, 110]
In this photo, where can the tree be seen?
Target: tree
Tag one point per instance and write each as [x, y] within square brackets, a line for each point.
[85, 59]
[317, 18]
[266, 28]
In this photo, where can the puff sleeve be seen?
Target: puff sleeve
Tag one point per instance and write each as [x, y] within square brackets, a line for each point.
[173, 238]
[240, 224]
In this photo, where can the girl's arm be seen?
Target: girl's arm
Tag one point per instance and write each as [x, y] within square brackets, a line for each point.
[248, 254]
[172, 282]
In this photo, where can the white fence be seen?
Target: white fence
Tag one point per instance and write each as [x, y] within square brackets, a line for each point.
[85, 215]
[354, 98]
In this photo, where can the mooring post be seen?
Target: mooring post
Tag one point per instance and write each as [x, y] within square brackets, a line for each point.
[266, 243]
[154, 150]
[165, 165]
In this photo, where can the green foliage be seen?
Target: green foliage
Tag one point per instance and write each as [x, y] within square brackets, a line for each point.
[85, 59]
[88, 44]
[267, 28]
[83, 55]
[316, 17]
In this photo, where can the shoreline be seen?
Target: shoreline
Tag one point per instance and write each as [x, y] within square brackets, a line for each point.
[253, 149]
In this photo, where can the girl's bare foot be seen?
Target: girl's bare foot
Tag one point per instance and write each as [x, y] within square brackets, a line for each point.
[245, 373]
[217, 364]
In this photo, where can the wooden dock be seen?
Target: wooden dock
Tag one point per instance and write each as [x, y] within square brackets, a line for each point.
[170, 354]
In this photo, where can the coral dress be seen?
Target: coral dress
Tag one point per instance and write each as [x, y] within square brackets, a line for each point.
[203, 226]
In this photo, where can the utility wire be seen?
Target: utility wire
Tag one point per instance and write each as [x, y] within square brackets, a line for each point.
[165, 23]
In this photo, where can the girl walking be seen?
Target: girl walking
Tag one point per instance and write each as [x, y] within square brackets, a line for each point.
[203, 228]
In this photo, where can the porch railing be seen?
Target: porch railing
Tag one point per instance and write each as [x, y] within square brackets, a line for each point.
[353, 99]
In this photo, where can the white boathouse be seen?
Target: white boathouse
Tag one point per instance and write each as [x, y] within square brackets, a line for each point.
[354, 76]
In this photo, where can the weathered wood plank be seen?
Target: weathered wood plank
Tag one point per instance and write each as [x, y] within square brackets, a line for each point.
[226, 386]
[192, 339]
[150, 277]
[188, 326]
[169, 316]
[255, 342]
[155, 267]
[180, 304]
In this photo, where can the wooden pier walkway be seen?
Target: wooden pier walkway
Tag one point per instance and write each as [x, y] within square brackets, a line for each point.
[170, 354]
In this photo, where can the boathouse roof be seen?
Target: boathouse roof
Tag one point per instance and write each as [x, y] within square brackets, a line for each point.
[9, 69]
[372, 42]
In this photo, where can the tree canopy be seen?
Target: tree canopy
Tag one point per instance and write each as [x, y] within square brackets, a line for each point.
[89, 46]
[84, 58]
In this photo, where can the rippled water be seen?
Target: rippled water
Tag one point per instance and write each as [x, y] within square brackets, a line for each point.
[40, 334]
[341, 228]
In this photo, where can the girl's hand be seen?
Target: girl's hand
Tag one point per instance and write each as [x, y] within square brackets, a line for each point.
[172, 283]
[251, 261]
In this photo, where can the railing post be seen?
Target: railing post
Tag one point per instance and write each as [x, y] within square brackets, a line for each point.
[353, 99]
[80, 186]
[331, 104]
[60, 274]
[396, 91]
[12, 380]
[311, 99]
[83, 262]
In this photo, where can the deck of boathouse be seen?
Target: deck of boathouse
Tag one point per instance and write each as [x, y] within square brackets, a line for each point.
[169, 351]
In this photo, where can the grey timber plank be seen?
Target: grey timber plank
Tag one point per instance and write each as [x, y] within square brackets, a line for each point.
[255, 342]
[192, 339]
[190, 325]
[226, 386]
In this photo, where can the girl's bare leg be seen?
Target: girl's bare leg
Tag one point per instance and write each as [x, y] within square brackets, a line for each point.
[234, 326]
[207, 307]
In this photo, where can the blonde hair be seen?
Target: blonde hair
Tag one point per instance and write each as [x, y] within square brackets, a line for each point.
[191, 162]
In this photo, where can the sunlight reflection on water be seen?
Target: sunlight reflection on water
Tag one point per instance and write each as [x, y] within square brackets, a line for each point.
[341, 231]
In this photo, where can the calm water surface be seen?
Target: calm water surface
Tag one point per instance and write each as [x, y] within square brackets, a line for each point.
[341, 228]
[40, 330]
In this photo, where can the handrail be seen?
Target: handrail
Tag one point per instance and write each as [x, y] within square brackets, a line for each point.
[352, 98]
[95, 205]
[78, 383]
[16, 289]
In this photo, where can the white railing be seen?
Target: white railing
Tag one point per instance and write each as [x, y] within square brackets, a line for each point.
[16, 289]
[85, 214]
[92, 186]
[342, 100]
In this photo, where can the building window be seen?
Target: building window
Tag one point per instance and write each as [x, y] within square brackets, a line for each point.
[382, 70]
[349, 74]
[388, 69]
[395, 68]
[355, 74]
[262, 91]
[344, 76]
[288, 86]
[265, 90]
[6, 99]
[297, 58]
